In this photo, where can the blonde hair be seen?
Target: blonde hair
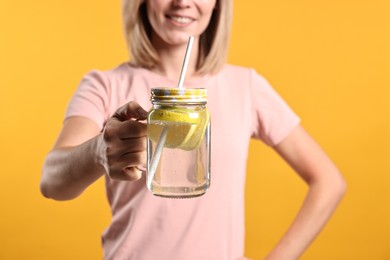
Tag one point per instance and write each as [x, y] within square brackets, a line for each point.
[213, 42]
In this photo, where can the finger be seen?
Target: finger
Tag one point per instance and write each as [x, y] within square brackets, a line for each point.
[141, 167]
[133, 145]
[133, 158]
[127, 174]
[126, 151]
[117, 163]
[132, 129]
[132, 173]
[131, 110]
[116, 130]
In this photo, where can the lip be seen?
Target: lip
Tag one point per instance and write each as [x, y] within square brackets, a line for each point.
[180, 20]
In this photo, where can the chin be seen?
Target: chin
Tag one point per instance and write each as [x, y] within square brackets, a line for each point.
[177, 39]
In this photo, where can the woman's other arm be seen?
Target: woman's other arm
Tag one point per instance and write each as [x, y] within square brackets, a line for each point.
[326, 189]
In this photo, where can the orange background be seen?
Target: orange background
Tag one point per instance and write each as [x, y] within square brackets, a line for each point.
[329, 59]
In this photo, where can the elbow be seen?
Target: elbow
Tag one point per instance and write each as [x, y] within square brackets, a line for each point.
[336, 187]
[52, 186]
[47, 182]
[332, 184]
[51, 191]
[341, 187]
[46, 190]
[46, 185]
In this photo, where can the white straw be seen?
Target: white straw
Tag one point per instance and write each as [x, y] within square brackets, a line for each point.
[157, 155]
[185, 63]
[160, 144]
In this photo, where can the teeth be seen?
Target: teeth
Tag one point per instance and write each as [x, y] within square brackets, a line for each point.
[180, 19]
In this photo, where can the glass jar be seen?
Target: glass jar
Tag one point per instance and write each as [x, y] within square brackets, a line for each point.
[178, 148]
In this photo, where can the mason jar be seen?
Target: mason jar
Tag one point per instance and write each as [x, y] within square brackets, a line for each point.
[178, 147]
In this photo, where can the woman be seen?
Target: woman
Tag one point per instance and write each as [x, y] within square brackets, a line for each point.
[242, 105]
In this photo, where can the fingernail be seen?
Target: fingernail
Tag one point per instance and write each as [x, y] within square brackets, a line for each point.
[142, 112]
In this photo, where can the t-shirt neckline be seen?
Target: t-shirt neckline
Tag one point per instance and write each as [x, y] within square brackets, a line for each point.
[166, 82]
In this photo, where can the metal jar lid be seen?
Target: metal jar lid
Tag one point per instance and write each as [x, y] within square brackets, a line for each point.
[179, 95]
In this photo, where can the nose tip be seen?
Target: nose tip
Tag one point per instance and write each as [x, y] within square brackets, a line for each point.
[181, 3]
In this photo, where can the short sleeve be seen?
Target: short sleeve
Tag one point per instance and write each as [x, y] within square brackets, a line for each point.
[90, 99]
[272, 117]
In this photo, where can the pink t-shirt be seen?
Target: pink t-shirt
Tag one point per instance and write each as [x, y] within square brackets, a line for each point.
[242, 106]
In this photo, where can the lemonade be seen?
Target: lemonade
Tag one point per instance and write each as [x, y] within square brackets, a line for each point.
[185, 127]
[178, 143]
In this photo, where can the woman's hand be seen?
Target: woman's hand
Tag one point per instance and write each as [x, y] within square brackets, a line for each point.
[82, 154]
[124, 139]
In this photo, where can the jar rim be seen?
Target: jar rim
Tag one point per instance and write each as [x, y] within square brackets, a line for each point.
[179, 95]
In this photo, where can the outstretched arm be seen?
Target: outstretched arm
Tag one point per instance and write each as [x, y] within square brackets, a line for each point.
[82, 154]
[326, 189]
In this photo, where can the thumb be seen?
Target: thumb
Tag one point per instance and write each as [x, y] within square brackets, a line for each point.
[131, 110]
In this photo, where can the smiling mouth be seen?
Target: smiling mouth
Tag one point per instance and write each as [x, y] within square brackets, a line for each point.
[180, 19]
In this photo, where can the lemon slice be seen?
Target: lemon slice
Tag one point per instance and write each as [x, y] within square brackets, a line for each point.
[195, 139]
[181, 124]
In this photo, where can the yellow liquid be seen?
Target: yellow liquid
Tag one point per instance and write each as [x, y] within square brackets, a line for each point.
[183, 168]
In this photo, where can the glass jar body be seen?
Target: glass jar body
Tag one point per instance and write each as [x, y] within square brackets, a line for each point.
[178, 148]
